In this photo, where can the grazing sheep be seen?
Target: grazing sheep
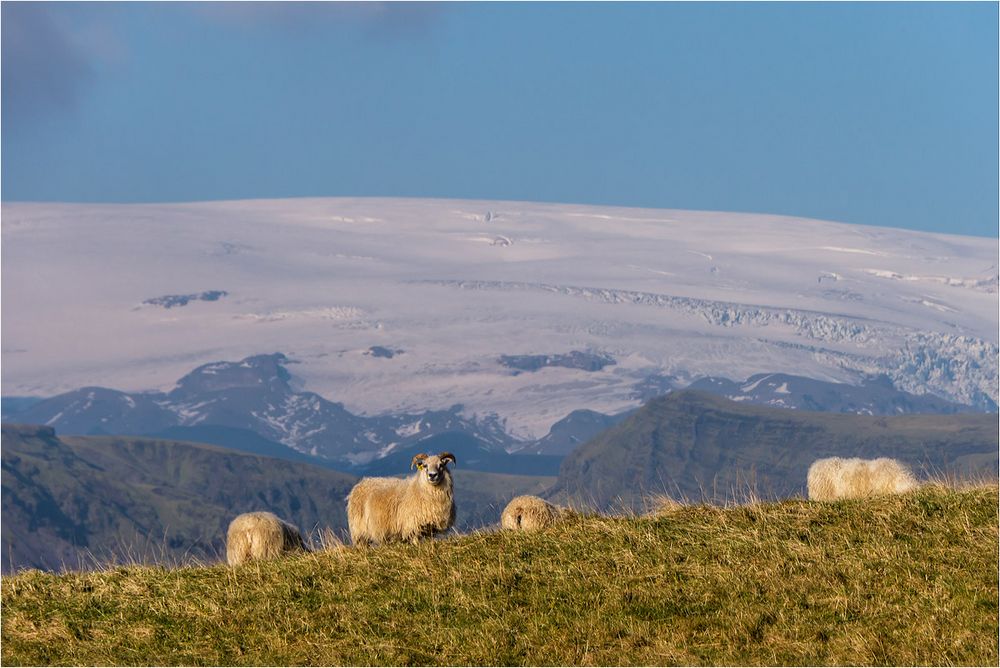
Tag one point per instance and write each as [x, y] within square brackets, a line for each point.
[260, 536]
[837, 478]
[529, 513]
[387, 510]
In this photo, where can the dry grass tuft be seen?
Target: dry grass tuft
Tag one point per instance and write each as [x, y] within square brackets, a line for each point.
[660, 505]
[327, 540]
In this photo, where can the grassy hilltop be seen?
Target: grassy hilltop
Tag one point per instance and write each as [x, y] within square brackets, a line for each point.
[901, 580]
[77, 500]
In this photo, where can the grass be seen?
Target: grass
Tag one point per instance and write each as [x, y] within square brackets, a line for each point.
[909, 580]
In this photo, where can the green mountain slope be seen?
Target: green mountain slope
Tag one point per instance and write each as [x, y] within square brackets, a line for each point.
[696, 445]
[151, 500]
[908, 580]
[78, 501]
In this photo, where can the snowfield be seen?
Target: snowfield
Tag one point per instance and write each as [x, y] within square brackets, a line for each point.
[452, 286]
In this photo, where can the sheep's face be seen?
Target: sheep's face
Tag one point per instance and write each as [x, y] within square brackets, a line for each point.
[433, 468]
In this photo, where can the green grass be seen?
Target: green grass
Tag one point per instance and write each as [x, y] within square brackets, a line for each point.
[901, 581]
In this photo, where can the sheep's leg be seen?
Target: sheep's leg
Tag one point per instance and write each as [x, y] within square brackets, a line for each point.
[426, 532]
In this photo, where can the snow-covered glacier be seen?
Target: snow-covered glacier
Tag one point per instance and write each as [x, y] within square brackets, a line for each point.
[133, 297]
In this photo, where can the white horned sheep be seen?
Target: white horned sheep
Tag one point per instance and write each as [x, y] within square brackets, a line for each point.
[260, 535]
[387, 510]
[530, 513]
[838, 478]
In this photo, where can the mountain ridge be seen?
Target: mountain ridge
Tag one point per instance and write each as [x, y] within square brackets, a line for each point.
[699, 446]
[256, 396]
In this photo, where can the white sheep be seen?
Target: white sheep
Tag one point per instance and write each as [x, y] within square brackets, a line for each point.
[260, 536]
[386, 510]
[837, 478]
[530, 513]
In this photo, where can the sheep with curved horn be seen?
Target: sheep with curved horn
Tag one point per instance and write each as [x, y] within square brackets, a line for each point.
[386, 510]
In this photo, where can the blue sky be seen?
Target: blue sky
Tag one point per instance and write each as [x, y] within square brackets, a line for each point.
[870, 113]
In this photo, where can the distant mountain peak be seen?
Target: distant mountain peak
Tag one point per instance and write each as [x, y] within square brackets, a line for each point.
[255, 394]
[256, 371]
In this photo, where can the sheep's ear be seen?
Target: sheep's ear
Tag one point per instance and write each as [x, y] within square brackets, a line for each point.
[447, 457]
[418, 460]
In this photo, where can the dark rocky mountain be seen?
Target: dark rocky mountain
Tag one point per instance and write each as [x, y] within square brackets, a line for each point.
[10, 406]
[70, 499]
[575, 359]
[253, 395]
[699, 446]
[875, 396]
[83, 501]
[170, 301]
[98, 410]
[382, 351]
[44, 526]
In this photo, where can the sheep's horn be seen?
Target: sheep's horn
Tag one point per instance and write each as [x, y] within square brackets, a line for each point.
[417, 458]
[446, 456]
